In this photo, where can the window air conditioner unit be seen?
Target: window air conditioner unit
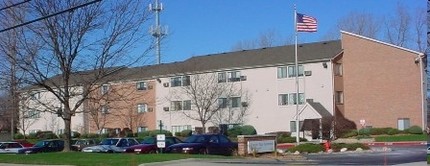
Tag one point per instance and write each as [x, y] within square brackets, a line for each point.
[166, 108]
[308, 73]
[150, 109]
[166, 84]
[150, 87]
[243, 78]
[244, 104]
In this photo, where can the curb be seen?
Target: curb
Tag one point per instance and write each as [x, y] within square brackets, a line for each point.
[405, 143]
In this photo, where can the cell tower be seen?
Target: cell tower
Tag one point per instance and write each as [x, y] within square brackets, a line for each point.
[157, 30]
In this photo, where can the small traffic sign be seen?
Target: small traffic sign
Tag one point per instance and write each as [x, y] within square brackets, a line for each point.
[161, 144]
[161, 137]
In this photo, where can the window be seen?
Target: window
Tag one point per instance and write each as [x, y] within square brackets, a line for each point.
[186, 104]
[141, 108]
[338, 69]
[235, 102]
[176, 105]
[105, 131]
[293, 98]
[222, 77]
[282, 72]
[105, 109]
[35, 95]
[33, 114]
[176, 81]
[141, 85]
[293, 125]
[142, 129]
[185, 80]
[292, 71]
[403, 123]
[104, 89]
[339, 97]
[180, 128]
[180, 81]
[234, 76]
[283, 99]
[222, 102]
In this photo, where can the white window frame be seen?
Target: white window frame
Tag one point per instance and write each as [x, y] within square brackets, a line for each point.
[222, 77]
[291, 71]
[282, 72]
[292, 98]
[104, 89]
[104, 109]
[233, 76]
[339, 97]
[238, 102]
[186, 105]
[141, 85]
[142, 108]
[281, 100]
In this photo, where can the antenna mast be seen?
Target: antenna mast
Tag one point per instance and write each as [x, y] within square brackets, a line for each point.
[157, 30]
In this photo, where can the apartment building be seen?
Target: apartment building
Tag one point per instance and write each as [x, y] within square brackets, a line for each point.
[348, 83]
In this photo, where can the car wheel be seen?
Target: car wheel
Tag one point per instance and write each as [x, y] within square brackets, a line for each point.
[152, 152]
[234, 152]
[109, 151]
[204, 151]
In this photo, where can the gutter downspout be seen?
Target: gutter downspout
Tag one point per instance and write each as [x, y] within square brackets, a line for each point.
[423, 95]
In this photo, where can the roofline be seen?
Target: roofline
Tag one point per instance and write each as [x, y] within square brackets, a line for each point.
[381, 42]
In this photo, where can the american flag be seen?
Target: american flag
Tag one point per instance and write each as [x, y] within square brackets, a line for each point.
[306, 23]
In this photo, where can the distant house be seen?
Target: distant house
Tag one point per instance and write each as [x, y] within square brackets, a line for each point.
[343, 84]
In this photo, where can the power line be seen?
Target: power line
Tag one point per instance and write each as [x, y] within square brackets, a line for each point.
[13, 5]
[51, 15]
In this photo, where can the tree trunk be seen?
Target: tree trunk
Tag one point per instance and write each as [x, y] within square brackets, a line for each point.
[204, 127]
[67, 135]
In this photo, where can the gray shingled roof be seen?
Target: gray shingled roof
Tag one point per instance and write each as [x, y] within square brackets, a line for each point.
[309, 52]
[281, 55]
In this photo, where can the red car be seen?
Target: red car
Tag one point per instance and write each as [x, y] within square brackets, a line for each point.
[149, 145]
[24, 143]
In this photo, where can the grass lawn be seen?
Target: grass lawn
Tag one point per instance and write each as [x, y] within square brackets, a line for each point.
[399, 138]
[80, 158]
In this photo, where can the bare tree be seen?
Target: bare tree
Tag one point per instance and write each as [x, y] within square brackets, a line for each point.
[11, 76]
[269, 38]
[94, 37]
[364, 24]
[207, 94]
[398, 27]
[231, 115]
[419, 27]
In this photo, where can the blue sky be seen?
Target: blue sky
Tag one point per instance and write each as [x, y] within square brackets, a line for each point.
[201, 27]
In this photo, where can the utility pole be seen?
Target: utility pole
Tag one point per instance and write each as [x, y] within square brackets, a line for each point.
[157, 30]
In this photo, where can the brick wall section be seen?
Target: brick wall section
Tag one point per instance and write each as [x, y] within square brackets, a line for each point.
[381, 83]
[125, 98]
[242, 141]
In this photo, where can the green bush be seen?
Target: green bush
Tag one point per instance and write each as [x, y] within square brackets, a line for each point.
[364, 131]
[90, 135]
[18, 136]
[288, 139]
[308, 147]
[178, 134]
[415, 130]
[393, 131]
[348, 134]
[186, 133]
[32, 136]
[46, 135]
[379, 131]
[241, 130]
[153, 133]
[280, 133]
[76, 134]
[248, 130]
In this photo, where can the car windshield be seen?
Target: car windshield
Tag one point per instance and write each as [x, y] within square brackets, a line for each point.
[196, 139]
[110, 141]
[149, 140]
[41, 144]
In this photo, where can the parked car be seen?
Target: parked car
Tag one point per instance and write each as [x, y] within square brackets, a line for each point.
[24, 143]
[428, 148]
[79, 144]
[10, 147]
[52, 145]
[205, 144]
[149, 145]
[112, 145]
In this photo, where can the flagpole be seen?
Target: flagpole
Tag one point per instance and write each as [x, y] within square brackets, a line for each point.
[296, 77]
